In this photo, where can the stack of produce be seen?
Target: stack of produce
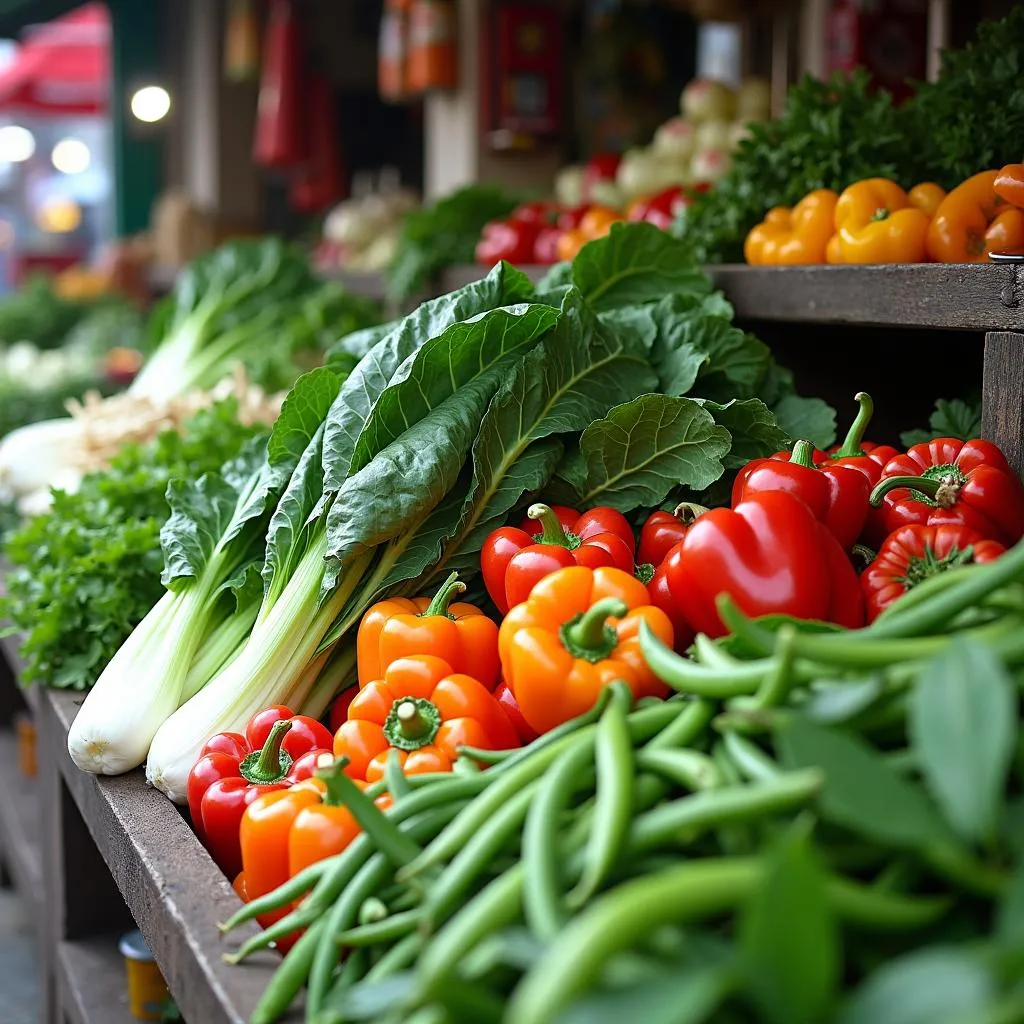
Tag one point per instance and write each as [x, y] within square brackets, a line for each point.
[254, 305]
[820, 825]
[835, 133]
[875, 221]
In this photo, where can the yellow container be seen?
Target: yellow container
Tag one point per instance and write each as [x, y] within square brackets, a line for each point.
[147, 990]
[26, 730]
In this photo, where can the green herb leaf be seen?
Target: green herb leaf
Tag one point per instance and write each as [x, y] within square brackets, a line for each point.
[929, 986]
[950, 419]
[789, 938]
[861, 791]
[963, 725]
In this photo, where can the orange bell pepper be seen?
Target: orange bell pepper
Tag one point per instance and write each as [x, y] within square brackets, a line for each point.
[876, 224]
[426, 712]
[598, 221]
[790, 237]
[559, 650]
[926, 197]
[569, 244]
[973, 221]
[460, 634]
[833, 254]
[1009, 184]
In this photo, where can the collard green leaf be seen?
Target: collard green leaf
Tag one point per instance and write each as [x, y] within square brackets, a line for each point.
[636, 321]
[571, 378]
[963, 725]
[810, 419]
[861, 791]
[302, 412]
[736, 363]
[937, 985]
[446, 363]
[201, 513]
[643, 449]
[558, 278]
[633, 264]
[679, 352]
[789, 938]
[1010, 917]
[752, 426]
[503, 286]
[954, 418]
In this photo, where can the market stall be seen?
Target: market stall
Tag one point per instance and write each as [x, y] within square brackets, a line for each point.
[626, 625]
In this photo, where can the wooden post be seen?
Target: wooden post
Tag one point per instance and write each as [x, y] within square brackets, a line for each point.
[1002, 396]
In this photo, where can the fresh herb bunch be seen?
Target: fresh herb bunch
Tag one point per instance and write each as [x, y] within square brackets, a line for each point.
[444, 234]
[84, 574]
[831, 134]
[972, 118]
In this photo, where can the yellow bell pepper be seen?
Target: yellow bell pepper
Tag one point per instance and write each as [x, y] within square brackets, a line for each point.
[926, 197]
[876, 223]
[789, 237]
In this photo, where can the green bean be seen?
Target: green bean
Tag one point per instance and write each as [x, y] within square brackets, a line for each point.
[879, 910]
[469, 1002]
[352, 971]
[465, 766]
[289, 977]
[476, 856]
[686, 728]
[927, 590]
[394, 778]
[688, 769]
[543, 900]
[961, 867]
[688, 677]
[343, 915]
[776, 684]
[620, 920]
[642, 725]
[489, 757]
[496, 906]
[734, 839]
[284, 894]
[706, 652]
[613, 810]
[387, 929]
[401, 955]
[663, 825]
[749, 758]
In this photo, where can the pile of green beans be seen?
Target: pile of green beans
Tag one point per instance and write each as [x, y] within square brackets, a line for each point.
[621, 850]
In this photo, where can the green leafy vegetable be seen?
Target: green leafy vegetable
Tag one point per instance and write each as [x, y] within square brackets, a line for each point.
[955, 418]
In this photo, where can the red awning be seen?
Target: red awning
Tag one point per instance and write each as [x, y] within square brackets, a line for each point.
[62, 67]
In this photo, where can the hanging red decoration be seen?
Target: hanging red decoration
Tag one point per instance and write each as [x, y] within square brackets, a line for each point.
[320, 183]
[281, 139]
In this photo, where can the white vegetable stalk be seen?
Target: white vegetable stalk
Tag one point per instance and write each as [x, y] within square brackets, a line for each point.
[269, 670]
[142, 685]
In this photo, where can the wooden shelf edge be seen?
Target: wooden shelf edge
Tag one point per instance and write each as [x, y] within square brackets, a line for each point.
[174, 891]
[20, 841]
[92, 982]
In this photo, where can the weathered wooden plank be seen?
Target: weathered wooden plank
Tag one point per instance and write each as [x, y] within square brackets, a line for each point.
[174, 891]
[20, 842]
[972, 296]
[1002, 399]
[92, 982]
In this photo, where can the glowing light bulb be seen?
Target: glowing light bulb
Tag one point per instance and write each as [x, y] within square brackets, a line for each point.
[151, 103]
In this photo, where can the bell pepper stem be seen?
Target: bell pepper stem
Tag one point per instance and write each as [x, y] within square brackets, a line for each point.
[588, 636]
[271, 764]
[851, 447]
[552, 531]
[803, 454]
[943, 491]
[412, 723]
[444, 597]
[689, 511]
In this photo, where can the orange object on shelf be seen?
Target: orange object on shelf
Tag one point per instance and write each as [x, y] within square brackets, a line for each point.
[926, 197]
[433, 46]
[393, 52]
[973, 221]
[241, 42]
[26, 731]
[790, 237]
[147, 990]
[1009, 184]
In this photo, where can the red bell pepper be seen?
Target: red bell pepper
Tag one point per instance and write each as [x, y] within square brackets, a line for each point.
[507, 701]
[837, 495]
[663, 530]
[661, 597]
[545, 247]
[915, 553]
[339, 709]
[569, 219]
[513, 560]
[540, 212]
[771, 555]
[866, 458]
[510, 240]
[277, 750]
[952, 482]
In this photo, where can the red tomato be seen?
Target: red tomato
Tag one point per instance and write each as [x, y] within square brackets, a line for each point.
[542, 212]
[571, 216]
